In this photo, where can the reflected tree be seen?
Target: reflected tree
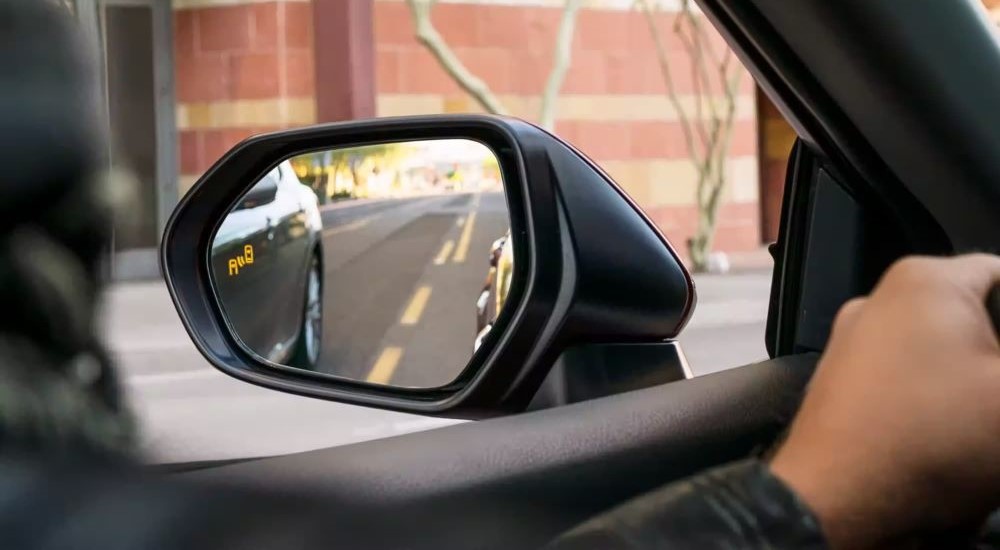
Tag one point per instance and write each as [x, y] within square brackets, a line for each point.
[343, 173]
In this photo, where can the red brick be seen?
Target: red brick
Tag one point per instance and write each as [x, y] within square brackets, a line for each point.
[189, 149]
[202, 78]
[744, 140]
[656, 139]
[529, 72]
[184, 33]
[681, 73]
[638, 37]
[641, 39]
[298, 24]
[588, 73]
[567, 130]
[420, 73]
[613, 52]
[628, 73]
[264, 27]
[255, 76]
[213, 146]
[224, 28]
[456, 23]
[393, 24]
[231, 137]
[387, 71]
[741, 238]
[490, 64]
[300, 74]
[652, 139]
[717, 42]
[747, 84]
[598, 140]
[503, 26]
[603, 30]
[737, 229]
[541, 28]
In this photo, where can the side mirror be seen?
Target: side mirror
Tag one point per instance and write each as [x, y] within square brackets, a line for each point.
[380, 301]
[260, 194]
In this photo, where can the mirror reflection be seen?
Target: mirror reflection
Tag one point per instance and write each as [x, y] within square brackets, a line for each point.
[384, 263]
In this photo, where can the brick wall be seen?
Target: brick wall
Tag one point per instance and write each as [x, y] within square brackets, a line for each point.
[613, 106]
[242, 67]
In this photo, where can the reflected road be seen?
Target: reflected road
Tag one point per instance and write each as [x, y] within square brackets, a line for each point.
[402, 279]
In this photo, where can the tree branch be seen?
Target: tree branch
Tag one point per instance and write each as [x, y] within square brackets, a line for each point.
[709, 136]
[695, 45]
[429, 37]
[560, 64]
[663, 58]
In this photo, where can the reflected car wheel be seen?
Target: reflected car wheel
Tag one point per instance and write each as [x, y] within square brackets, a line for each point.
[309, 344]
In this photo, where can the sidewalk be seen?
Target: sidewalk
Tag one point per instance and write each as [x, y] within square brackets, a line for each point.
[141, 326]
[753, 260]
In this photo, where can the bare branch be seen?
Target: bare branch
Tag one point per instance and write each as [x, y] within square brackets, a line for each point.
[708, 124]
[663, 57]
[429, 37]
[560, 63]
[695, 43]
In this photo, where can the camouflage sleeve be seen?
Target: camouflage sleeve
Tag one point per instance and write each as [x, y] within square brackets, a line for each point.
[737, 506]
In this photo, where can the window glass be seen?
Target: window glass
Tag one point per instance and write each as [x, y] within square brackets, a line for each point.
[678, 123]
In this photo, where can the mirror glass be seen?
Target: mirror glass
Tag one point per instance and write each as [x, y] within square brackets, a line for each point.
[384, 263]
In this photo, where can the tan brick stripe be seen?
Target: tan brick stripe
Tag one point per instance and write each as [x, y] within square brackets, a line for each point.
[622, 5]
[656, 183]
[185, 183]
[597, 107]
[302, 111]
[247, 113]
[185, 4]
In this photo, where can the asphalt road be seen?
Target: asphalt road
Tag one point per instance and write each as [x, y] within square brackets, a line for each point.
[401, 283]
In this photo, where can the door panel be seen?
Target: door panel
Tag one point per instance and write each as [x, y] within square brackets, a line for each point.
[518, 481]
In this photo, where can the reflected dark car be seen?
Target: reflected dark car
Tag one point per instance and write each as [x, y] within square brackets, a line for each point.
[267, 259]
[495, 289]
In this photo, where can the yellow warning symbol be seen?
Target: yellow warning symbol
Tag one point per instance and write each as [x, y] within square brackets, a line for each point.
[241, 261]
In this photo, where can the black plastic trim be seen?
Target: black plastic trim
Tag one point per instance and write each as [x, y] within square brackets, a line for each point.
[518, 481]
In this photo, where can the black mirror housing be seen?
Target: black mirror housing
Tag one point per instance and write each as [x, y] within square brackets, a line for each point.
[595, 269]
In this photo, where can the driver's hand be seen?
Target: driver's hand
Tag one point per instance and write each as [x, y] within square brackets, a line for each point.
[899, 432]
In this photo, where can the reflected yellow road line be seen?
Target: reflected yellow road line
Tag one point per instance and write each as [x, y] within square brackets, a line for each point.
[412, 313]
[442, 256]
[462, 250]
[385, 365]
[460, 221]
